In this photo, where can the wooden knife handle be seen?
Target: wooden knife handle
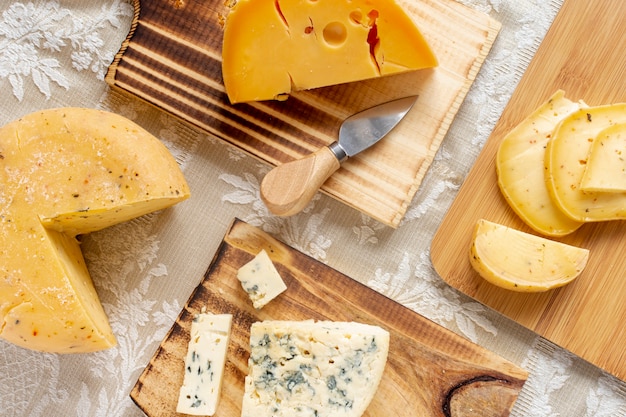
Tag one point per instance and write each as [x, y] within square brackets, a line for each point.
[289, 187]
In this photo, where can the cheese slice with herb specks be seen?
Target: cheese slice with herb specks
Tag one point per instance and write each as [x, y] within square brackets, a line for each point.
[307, 368]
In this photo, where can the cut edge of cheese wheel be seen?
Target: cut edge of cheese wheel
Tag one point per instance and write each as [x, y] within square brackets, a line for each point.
[271, 48]
[520, 168]
[566, 157]
[65, 172]
[323, 368]
[605, 170]
[522, 262]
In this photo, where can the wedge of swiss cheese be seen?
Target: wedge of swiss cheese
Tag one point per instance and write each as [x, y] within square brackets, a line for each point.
[272, 47]
[65, 172]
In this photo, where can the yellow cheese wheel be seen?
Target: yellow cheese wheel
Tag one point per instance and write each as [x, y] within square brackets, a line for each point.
[65, 172]
[273, 46]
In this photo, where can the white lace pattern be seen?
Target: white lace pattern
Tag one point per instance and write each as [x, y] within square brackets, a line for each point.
[55, 52]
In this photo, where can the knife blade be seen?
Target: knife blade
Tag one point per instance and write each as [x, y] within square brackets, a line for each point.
[289, 187]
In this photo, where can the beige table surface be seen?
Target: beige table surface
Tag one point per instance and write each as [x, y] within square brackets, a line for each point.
[55, 53]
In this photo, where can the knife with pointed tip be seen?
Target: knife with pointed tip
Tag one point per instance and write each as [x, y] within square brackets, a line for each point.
[289, 187]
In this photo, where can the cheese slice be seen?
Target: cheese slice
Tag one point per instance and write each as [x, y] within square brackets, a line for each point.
[605, 170]
[272, 47]
[307, 368]
[65, 172]
[523, 262]
[567, 154]
[520, 168]
[260, 279]
[204, 364]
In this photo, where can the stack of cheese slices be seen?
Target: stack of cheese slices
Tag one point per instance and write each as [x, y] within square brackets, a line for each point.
[561, 167]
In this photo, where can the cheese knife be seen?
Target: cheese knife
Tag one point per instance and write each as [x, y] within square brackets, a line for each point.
[288, 188]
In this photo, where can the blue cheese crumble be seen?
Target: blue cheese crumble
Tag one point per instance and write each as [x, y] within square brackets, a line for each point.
[260, 280]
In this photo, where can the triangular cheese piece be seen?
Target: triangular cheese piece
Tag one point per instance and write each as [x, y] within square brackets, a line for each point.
[308, 368]
[605, 170]
[272, 47]
[65, 172]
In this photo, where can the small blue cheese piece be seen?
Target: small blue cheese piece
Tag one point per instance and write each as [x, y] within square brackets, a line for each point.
[308, 368]
[260, 279]
[204, 364]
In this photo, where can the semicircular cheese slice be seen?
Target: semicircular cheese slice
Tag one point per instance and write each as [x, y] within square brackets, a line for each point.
[65, 172]
[520, 261]
[272, 47]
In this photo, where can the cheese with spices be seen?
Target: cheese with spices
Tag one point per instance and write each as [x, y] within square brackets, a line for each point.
[567, 155]
[308, 368]
[272, 47]
[523, 262]
[605, 170]
[520, 168]
[65, 172]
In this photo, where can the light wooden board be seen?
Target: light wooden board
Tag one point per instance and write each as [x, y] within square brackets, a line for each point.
[430, 372]
[583, 54]
[172, 59]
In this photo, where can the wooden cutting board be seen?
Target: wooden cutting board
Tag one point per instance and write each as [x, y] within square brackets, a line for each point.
[172, 59]
[430, 371]
[583, 54]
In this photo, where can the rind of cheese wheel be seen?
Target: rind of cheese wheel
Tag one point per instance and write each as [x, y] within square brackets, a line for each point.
[523, 262]
[520, 168]
[605, 170]
[566, 157]
[65, 172]
[272, 47]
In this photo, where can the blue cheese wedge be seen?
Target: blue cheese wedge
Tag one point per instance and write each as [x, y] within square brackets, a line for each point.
[204, 364]
[308, 368]
[260, 279]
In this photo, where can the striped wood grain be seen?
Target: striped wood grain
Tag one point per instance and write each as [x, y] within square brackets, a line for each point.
[430, 372]
[172, 59]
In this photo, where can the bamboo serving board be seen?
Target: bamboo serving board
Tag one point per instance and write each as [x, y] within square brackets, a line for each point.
[583, 54]
[172, 59]
[430, 371]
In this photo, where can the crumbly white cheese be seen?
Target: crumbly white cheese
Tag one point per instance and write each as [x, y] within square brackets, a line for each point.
[307, 368]
[260, 279]
[204, 364]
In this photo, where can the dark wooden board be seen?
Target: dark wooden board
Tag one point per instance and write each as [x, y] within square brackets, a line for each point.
[582, 54]
[430, 370]
[172, 59]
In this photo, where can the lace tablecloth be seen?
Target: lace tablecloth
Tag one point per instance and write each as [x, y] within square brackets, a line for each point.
[55, 53]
